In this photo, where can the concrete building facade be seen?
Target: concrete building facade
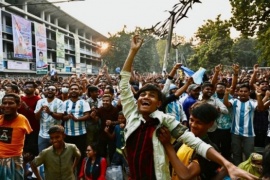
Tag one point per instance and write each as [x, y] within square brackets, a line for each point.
[81, 43]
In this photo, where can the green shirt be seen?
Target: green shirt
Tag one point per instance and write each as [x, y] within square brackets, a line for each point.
[58, 167]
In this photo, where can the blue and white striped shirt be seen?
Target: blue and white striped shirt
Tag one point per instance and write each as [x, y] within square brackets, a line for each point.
[175, 109]
[242, 117]
[77, 108]
[46, 120]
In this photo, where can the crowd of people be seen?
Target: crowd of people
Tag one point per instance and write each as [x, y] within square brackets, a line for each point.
[154, 126]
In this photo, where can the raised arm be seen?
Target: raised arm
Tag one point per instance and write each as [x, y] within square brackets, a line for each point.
[260, 105]
[184, 87]
[226, 98]
[254, 75]
[136, 43]
[166, 87]
[235, 77]
[215, 76]
[127, 97]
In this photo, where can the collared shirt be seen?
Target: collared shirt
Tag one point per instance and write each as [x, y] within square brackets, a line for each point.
[178, 131]
[58, 167]
[46, 120]
[224, 121]
[78, 109]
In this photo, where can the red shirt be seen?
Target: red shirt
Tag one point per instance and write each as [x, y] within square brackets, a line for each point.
[29, 114]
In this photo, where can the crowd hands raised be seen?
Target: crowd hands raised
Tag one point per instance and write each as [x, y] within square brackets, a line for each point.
[86, 120]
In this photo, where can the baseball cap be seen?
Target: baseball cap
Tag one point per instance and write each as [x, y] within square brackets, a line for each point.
[192, 87]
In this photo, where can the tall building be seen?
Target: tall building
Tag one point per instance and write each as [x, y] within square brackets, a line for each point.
[37, 37]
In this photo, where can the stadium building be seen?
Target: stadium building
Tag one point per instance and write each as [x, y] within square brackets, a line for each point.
[37, 37]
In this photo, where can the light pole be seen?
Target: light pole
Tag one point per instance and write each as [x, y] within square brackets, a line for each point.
[169, 41]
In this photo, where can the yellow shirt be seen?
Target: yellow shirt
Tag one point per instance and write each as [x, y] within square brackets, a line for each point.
[184, 154]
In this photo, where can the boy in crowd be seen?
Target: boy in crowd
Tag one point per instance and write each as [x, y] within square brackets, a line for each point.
[60, 159]
[118, 135]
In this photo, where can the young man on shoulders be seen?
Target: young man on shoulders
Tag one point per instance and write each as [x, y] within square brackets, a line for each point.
[143, 120]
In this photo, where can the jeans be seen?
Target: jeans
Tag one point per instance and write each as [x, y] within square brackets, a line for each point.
[43, 143]
[240, 145]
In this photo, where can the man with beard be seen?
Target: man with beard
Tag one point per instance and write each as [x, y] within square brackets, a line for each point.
[242, 121]
[206, 96]
[28, 105]
[49, 112]
[107, 115]
[76, 112]
[13, 127]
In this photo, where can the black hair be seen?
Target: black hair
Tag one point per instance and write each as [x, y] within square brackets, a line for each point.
[221, 83]
[95, 148]
[92, 89]
[207, 84]
[149, 87]
[244, 86]
[204, 112]
[14, 87]
[263, 81]
[75, 84]
[110, 89]
[56, 128]
[12, 95]
[40, 53]
[31, 82]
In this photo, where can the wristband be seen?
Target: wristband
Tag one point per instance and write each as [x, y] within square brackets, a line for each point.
[50, 113]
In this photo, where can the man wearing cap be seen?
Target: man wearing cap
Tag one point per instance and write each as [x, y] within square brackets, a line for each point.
[193, 91]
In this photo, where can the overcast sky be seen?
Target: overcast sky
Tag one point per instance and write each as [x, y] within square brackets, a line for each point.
[111, 15]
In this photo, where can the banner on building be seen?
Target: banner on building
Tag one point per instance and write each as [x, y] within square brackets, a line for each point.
[77, 53]
[1, 45]
[60, 47]
[41, 49]
[22, 38]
